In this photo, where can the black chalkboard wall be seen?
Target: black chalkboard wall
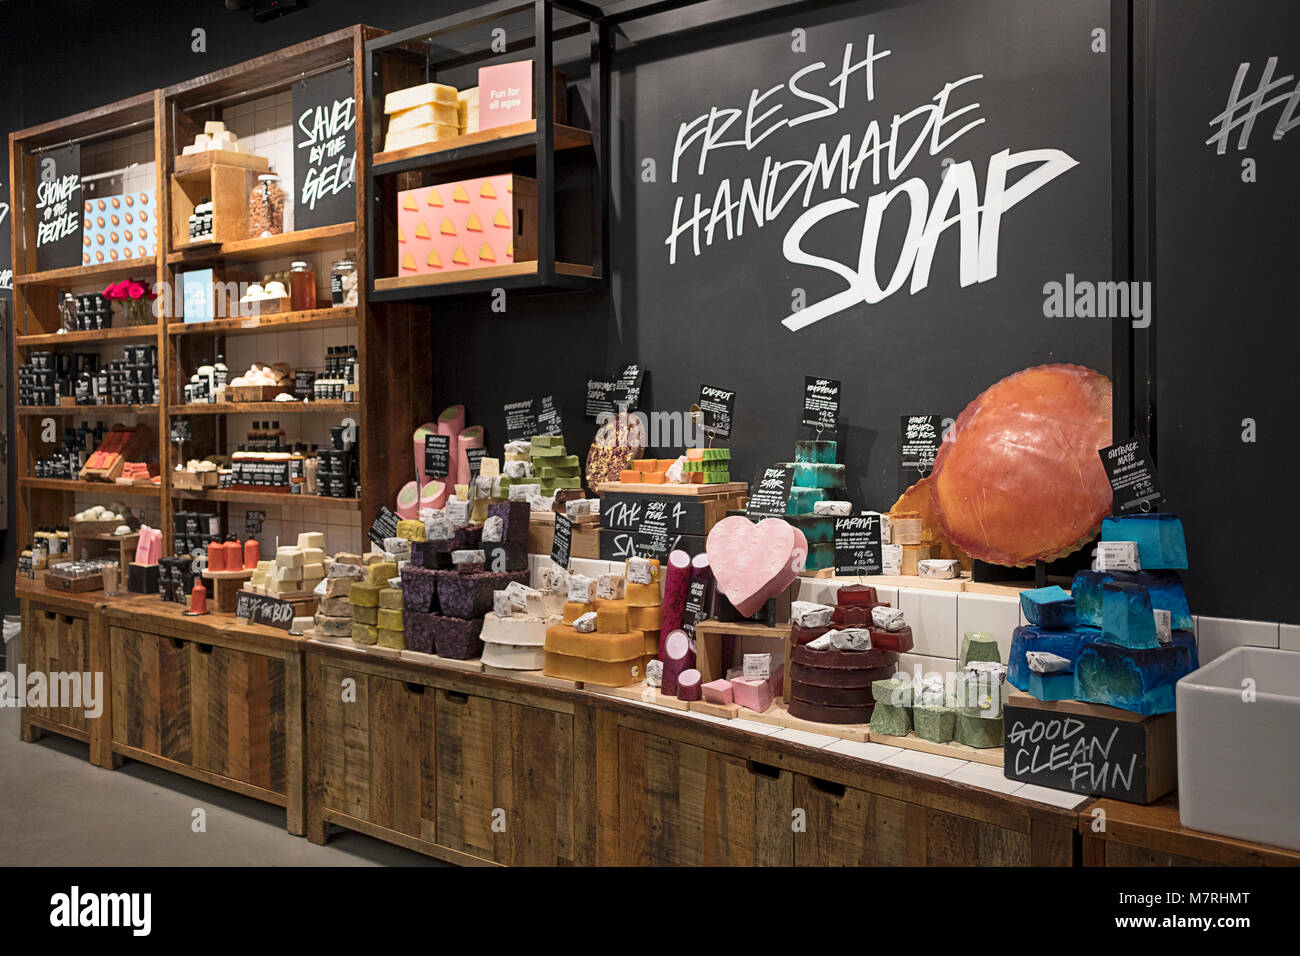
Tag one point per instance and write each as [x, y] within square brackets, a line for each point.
[1224, 280]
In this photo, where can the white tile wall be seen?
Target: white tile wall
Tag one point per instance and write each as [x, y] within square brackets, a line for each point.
[989, 614]
[909, 663]
[1290, 637]
[1217, 635]
[932, 616]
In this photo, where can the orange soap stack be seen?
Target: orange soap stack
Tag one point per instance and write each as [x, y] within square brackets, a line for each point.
[138, 472]
[646, 471]
[626, 637]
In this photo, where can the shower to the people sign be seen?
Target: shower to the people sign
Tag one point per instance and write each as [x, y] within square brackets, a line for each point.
[883, 167]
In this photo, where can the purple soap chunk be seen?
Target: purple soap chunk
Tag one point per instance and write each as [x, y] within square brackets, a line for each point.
[470, 567]
[431, 554]
[420, 588]
[514, 517]
[419, 629]
[456, 638]
[470, 595]
[467, 538]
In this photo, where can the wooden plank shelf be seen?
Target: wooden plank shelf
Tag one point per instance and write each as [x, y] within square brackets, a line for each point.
[273, 247]
[330, 318]
[92, 487]
[269, 498]
[124, 333]
[99, 272]
[720, 490]
[490, 145]
[39, 410]
[468, 281]
[257, 408]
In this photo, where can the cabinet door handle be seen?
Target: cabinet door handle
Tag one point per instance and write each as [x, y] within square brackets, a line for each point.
[204, 648]
[829, 786]
[415, 688]
[457, 696]
[50, 615]
[68, 619]
[764, 769]
[177, 643]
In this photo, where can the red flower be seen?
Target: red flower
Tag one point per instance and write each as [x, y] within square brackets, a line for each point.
[117, 290]
[135, 290]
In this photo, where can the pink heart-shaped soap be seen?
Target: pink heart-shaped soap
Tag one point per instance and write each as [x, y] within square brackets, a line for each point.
[753, 562]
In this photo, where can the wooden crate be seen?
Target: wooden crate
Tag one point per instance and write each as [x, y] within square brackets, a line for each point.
[585, 542]
[199, 163]
[227, 186]
[194, 480]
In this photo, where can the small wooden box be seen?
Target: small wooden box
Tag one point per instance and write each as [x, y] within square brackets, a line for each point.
[227, 186]
[56, 582]
[256, 393]
[584, 543]
[194, 480]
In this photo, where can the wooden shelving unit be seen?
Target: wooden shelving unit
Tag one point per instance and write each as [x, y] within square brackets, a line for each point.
[74, 485]
[26, 411]
[105, 272]
[272, 247]
[571, 258]
[276, 322]
[268, 498]
[259, 408]
[122, 333]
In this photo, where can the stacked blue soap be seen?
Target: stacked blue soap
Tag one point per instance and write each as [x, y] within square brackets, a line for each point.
[1065, 642]
[1052, 686]
[1052, 608]
[1159, 537]
[801, 500]
[1126, 616]
[1164, 587]
[1140, 680]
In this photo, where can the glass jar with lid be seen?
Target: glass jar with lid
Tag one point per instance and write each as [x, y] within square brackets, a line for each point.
[343, 283]
[302, 287]
[266, 207]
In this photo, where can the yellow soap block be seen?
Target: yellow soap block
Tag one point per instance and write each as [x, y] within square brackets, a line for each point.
[600, 673]
[380, 572]
[364, 595]
[411, 530]
[648, 618]
[563, 639]
[612, 618]
[364, 633]
[426, 114]
[643, 595]
[574, 610]
[390, 619]
[390, 638]
[651, 643]
[413, 96]
[365, 615]
[391, 598]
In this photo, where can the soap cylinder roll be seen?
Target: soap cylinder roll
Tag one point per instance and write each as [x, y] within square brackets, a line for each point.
[678, 657]
[471, 437]
[451, 422]
[676, 583]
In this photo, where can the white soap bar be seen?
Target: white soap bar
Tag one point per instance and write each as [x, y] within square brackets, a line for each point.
[288, 557]
[1163, 622]
[501, 605]
[654, 672]
[891, 558]
[522, 492]
[313, 570]
[301, 624]
[822, 643]
[609, 587]
[313, 556]
[413, 96]
[483, 486]
[889, 618]
[758, 666]
[839, 509]
[1116, 556]
[419, 135]
[808, 614]
[284, 573]
[519, 450]
[582, 589]
[312, 539]
[933, 693]
[673, 474]
[518, 594]
[397, 546]
[990, 669]
[457, 512]
[468, 97]
[518, 469]
[426, 114]
[585, 623]
[851, 639]
[1045, 662]
[340, 570]
[469, 556]
[638, 570]
[213, 126]
[438, 528]
[537, 503]
[938, 568]
[886, 535]
[493, 528]
[576, 507]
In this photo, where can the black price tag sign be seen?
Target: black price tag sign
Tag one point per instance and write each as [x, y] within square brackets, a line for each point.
[770, 492]
[919, 440]
[437, 455]
[304, 382]
[475, 458]
[858, 547]
[563, 540]
[1132, 476]
[181, 430]
[718, 406]
[521, 420]
[627, 388]
[253, 522]
[263, 609]
[821, 403]
[549, 419]
[384, 526]
[600, 398]
[697, 604]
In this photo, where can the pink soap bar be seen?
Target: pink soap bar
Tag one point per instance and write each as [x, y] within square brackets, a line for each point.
[505, 94]
[142, 546]
[776, 681]
[755, 694]
[753, 562]
[155, 546]
[717, 692]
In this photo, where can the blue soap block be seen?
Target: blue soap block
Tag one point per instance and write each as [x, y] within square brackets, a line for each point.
[1048, 607]
[815, 451]
[1165, 588]
[1138, 680]
[1031, 638]
[1187, 641]
[801, 500]
[1126, 616]
[1051, 686]
[817, 529]
[820, 556]
[1159, 538]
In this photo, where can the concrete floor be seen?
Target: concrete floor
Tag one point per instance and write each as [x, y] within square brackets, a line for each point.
[56, 809]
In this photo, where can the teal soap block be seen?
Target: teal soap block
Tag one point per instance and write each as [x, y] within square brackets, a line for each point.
[807, 475]
[1049, 607]
[820, 556]
[1126, 616]
[894, 721]
[980, 647]
[1051, 686]
[1165, 588]
[817, 529]
[1027, 638]
[978, 732]
[801, 499]
[934, 722]
[1159, 537]
[1141, 680]
[814, 452]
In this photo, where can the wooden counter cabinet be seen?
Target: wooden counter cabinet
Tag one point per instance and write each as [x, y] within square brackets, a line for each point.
[61, 642]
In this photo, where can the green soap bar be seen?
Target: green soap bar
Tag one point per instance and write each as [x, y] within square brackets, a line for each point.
[364, 633]
[935, 724]
[545, 472]
[892, 692]
[717, 477]
[365, 615]
[549, 451]
[566, 471]
[569, 461]
[895, 721]
[390, 638]
[979, 647]
[364, 595]
[693, 466]
[979, 732]
[546, 441]
[530, 480]
[711, 454]
[390, 597]
[390, 619]
[568, 482]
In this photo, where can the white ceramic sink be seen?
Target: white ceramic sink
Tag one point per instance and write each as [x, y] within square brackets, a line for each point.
[1239, 760]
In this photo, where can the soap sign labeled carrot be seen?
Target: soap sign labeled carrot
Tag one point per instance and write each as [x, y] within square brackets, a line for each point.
[324, 150]
[718, 406]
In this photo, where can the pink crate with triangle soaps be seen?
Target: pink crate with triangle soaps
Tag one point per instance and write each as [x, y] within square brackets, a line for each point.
[467, 224]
